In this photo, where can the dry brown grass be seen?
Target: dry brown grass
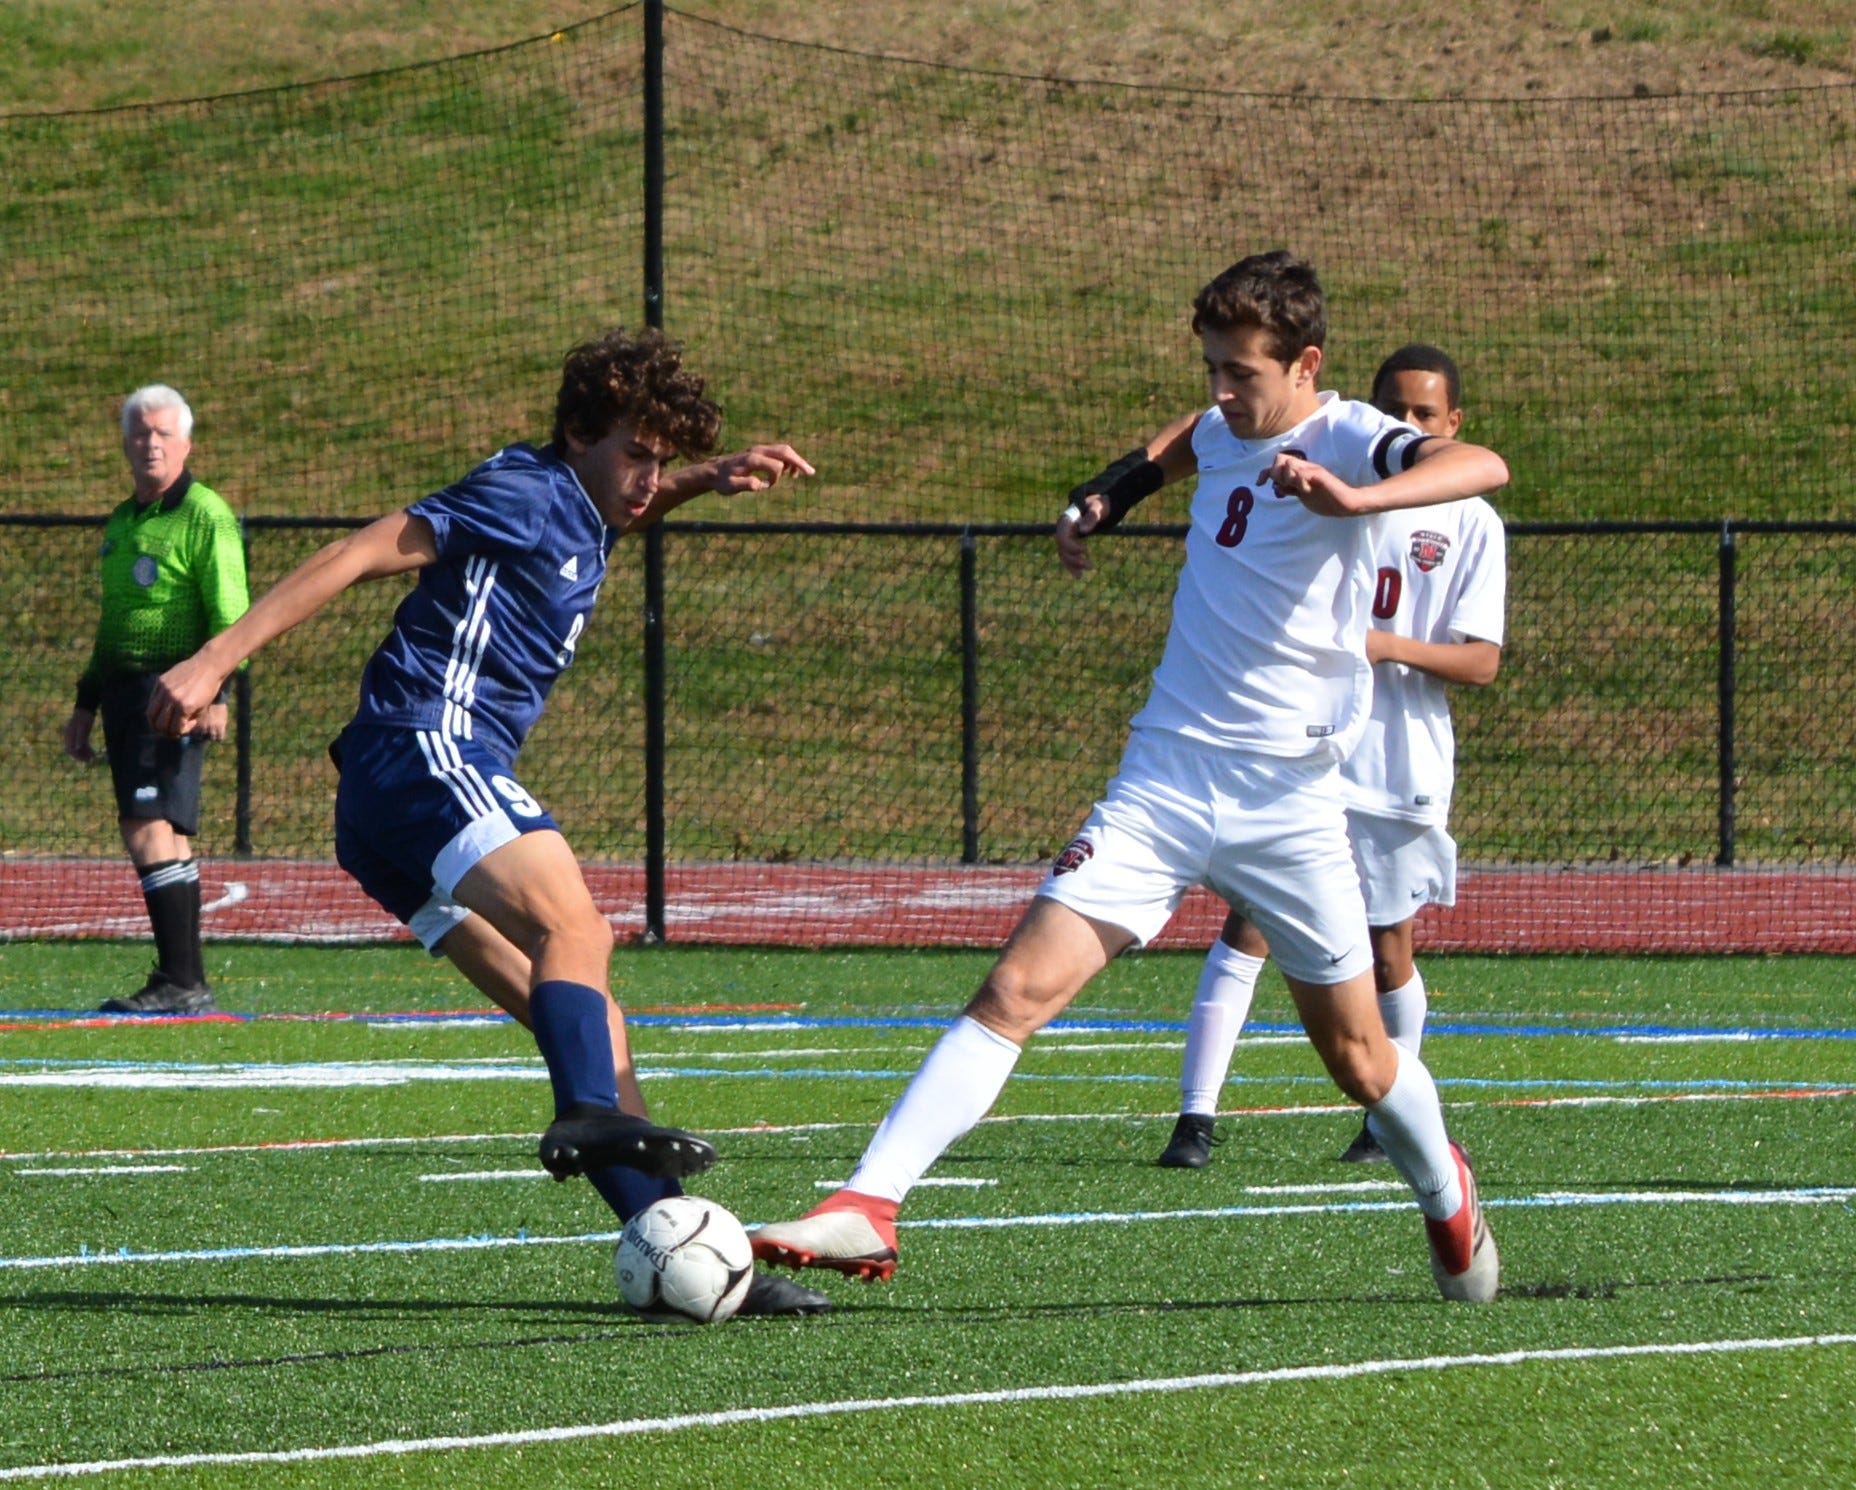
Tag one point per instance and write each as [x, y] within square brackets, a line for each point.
[1425, 49]
[86, 53]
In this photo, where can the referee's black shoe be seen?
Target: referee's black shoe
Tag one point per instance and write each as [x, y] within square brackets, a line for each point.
[162, 995]
[587, 1137]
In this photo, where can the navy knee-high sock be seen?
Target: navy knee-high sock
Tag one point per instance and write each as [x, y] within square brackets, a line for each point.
[576, 1042]
[629, 1191]
[570, 1027]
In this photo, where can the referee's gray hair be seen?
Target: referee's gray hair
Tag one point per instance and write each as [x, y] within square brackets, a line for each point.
[156, 396]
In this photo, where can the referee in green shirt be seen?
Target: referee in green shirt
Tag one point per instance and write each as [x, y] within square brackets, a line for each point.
[173, 575]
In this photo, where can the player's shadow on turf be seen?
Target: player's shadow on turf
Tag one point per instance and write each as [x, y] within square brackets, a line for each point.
[377, 1308]
[612, 1317]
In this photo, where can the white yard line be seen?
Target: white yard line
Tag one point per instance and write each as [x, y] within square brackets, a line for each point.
[1005, 1397]
[1778, 1093]
[124, 1255]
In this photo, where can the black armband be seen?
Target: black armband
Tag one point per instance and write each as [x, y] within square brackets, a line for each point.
[1122, 485]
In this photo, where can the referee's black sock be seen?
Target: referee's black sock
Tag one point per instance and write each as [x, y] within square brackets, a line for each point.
[172, 892]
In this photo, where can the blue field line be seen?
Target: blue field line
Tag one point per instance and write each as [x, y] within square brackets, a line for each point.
[1432, 1027]
[530, 1068]
[1082, 1026]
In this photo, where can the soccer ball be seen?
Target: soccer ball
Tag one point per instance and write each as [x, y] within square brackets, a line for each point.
[684, 1260]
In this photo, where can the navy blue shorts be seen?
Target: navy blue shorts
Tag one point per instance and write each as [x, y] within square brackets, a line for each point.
[416, 811]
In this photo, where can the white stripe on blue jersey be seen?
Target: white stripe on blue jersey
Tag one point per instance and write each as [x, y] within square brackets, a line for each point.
[487, 629]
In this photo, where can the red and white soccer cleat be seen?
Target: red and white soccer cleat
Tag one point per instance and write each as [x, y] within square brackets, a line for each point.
[850, 1233]
[1463, 1257]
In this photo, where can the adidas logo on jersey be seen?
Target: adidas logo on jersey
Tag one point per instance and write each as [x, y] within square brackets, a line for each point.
[571, 569]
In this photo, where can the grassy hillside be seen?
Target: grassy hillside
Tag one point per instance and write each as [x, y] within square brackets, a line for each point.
[68, 54]
[958, 292]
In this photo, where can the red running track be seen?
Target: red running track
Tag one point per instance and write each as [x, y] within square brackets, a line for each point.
[1665, 910]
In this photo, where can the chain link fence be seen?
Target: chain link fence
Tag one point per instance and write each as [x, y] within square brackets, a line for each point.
[957, 292]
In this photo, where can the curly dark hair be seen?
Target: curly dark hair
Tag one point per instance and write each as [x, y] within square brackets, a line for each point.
[637, 376]
[1277, 291]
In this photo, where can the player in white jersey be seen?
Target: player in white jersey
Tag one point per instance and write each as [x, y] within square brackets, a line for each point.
[430, 817]
[1230, 777]
[1439, 593]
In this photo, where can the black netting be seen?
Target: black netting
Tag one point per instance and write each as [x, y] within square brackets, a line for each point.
[959, 293]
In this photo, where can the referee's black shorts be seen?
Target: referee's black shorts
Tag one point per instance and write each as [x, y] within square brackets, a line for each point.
[155, 777]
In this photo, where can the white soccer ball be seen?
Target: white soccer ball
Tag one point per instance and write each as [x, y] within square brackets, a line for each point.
[684, 1259]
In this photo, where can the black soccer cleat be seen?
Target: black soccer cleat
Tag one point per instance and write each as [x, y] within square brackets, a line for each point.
[162, 995]
[771, 1296]
[1365, 1149]
[587, 1137]
[1191, 1144]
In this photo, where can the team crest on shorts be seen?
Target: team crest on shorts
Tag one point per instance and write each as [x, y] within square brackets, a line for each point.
[1428, 550]
[1076, 853]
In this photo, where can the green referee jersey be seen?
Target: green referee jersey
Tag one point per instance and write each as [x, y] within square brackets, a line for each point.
[173, 575]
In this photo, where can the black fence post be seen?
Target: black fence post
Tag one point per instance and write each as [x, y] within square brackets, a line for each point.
[654, 162]
[241, 738]
[1726, 686]
[655, 849]
[969, 699]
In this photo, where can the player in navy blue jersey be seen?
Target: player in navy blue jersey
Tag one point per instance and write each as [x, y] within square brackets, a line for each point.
[430, 817]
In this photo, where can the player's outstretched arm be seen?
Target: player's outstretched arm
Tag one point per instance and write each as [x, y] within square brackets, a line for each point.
[1441, 471]
[393, 545]
[1097, 504]
[755, 469]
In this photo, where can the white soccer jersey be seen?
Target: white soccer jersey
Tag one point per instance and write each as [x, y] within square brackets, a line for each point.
[1440, 575]
[1267, 647]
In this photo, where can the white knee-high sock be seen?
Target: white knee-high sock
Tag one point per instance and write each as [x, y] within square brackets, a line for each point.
[1227, 983]
[1409, 1124]
[954, 1088]
[1403, 1010]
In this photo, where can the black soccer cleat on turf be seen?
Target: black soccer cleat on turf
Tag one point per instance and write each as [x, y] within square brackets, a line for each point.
[1365, 1149]
[771, 1296]
[587, 1137]
[1191, 1144]
[162, 995]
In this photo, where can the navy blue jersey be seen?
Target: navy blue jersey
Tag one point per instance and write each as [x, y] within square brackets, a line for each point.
[488, 628]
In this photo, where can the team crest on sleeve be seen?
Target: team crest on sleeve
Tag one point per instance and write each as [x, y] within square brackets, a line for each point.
[1076, 853]
[1428, 550]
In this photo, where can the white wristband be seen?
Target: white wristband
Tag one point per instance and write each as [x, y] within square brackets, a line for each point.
[1073, 512]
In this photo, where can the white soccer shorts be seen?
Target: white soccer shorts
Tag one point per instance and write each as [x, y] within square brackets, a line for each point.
[1404, 866]
[1267, 835]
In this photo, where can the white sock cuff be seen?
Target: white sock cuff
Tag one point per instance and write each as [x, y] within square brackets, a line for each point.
[968, 1028]
[1225, 958]
[1403, 1010]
